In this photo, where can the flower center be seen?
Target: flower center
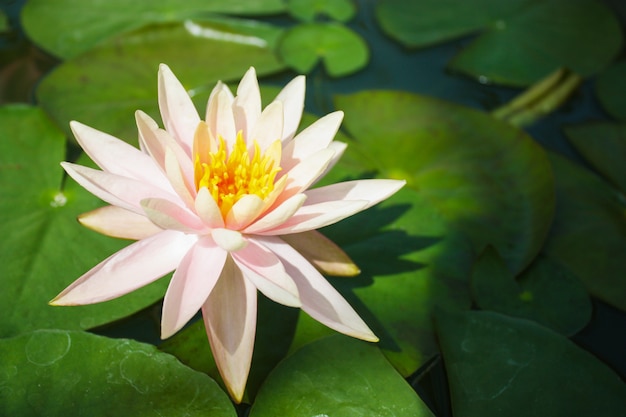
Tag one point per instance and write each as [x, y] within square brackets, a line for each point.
[230, 175]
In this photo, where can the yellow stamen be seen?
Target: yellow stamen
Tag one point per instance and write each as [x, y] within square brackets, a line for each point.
[230, 175]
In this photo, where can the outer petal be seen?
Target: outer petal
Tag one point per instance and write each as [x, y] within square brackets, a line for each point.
[247, 104]
[116, 156]
[315, 137]
[230, 321]
[133, 267]
[373, 191]
[191, 285]
[118, 222]
[118, 191]
[292, 96]
[323, 253]
[319, 299]
[267, 273]
[179, 115]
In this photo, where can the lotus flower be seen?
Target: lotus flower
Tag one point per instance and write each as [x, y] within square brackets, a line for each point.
[226, 204]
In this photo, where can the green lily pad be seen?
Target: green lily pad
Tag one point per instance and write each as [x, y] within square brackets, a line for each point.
[589, 233]
[518, 42]
[4, 22]
[342, 50]
[544, 292]
[83, 88]
[47, 248]
[604, 146]
[307, 10]
[61, 373]
[337, 376]
[610, 87]
[80, 25]
[502, 366]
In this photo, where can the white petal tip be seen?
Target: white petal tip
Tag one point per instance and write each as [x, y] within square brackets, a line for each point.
[229, 240]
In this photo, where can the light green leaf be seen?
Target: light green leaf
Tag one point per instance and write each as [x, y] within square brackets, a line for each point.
[104, 87]
[501, 366]
[518, 42]
[46, 249]
[80, 25]
[610, 88]
[544, 292]
[604, 146]
[61, 373]
[589, 233]
[307, 10]
[337, 376]
[342, 50]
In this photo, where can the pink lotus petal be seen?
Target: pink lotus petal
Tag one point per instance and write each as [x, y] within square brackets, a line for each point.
[301, 176]
[247, 104]
[319, 299]
[314, 216]
[132, 267]
[373, 191]
[339, 148]
[292, 97]
[178, 112]
[191, 284]
[116, 156]
[267, 273]
[230, 321]
[278, 215]
[322, 253]
[219, 115]
[180, 183]
[118, 191]
[168, 215]
[229, 240]
[244, 211]
[207, 209]
[118, 222]
[269, 127]
[315, 137]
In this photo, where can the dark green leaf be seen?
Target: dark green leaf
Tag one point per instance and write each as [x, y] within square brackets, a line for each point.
[502, 366]
[307, 10]
[610, 87]
[337, 376]
[59, 373]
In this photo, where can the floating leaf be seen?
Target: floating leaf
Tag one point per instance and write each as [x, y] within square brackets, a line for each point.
[610, 87]
[502, 366]
[4, 22]
[61, 373]
[199, 53]
[342, 50]
[589, 233]
[518, 42]
[604, 146]
[307, 10]
[79, 25]
[337, 376]
[545, 293]
[47, 248]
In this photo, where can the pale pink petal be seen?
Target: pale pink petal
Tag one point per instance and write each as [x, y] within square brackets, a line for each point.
[178, 112]
[219, 115]
[116, 156]
[292, 97]
[315, 137]
[118, 191]
[118, 222]
[269, 127]
[339, 148]
[301, 176]
[132, 267]
[323, 253]
[208, 210]
[267, 273]
[319, 299]
[191, 285]
[278, 215]
[247, 104]
[244, 211]
[168, 215]
[229, 240]
[373, 191]
[315, 216]
[230, 321]
[179, 181]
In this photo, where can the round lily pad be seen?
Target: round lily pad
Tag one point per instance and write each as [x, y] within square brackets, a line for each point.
[308, 10]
